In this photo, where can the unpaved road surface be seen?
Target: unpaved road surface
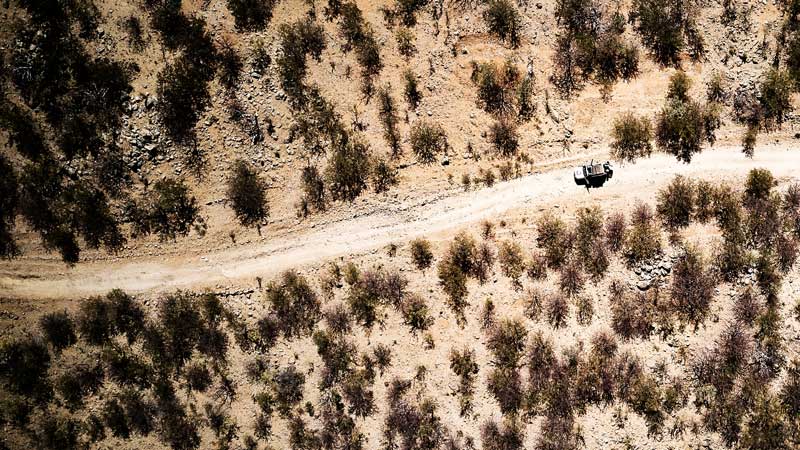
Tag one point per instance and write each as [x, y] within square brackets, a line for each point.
[392, 224]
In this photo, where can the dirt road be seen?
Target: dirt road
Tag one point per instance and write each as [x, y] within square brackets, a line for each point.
[396, 223]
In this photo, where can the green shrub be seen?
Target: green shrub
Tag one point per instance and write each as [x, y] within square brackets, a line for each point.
[504, 137]
[589, 242]
[387, 112]
[384, 175]
[405, 42]
[416, 313]
[427, 140]
[716, 89]
[683, 124]
[498, 86]
[294, 301]
[704, 201]
[251, 15]
[511, 260]
[504, 21]
[314, 188]
[506, 341]
[643, 240]
[775, 91]
[462, 363]
[349, 169]
[58, 329]
[247, 193]
[632, 136]
[553, 237]
[675, 204]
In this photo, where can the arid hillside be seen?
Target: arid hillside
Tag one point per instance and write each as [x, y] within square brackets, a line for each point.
[346, 225]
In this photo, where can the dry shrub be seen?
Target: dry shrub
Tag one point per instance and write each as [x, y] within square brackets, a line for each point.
[506, 387]
[585, 308]
[295, 302]
[536, 268]
[421, 253]
[615, 231]
[509, 436]
[693, 285]
[557, 310]
[506, 341]
[511, 261]
[571, 278]
[534, 302]
[553, 237]
[675, 204]
[748, 306]
[643, 240]
[631, 316]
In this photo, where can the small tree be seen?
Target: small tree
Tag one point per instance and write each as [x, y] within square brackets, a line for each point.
[632, 138]
[683, 124]
[427, 140]
[247, 193]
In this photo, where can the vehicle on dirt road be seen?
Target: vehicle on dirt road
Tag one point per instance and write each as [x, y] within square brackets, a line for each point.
[593, 174]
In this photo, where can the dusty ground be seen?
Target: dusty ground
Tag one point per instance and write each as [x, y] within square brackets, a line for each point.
[363, 239]
[424, 204]
[438, 215]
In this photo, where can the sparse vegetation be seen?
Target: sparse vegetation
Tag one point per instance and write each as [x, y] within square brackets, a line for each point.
[247, 193]
[504, 21]
[684, 124]
[632, 138]
[428, 140]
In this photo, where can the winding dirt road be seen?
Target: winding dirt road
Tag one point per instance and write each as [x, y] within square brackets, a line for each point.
[393, 224]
